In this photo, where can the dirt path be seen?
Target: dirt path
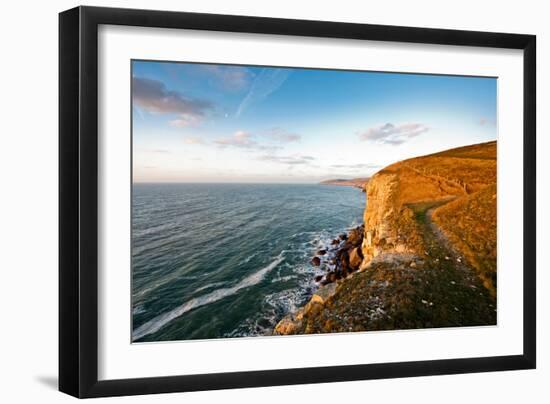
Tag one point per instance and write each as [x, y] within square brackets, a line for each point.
[450, 269]
[434, 238]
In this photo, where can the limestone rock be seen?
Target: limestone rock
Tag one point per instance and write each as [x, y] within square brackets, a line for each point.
[287, 326]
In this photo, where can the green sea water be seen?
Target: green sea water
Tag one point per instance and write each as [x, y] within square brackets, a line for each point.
[229, 260]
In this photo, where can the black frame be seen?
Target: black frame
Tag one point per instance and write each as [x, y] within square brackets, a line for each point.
[78, 193]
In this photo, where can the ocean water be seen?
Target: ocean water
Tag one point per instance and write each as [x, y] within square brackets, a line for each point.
[229, 260]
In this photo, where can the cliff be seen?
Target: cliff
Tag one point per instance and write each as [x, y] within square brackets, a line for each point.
[353, 182]
[428, 250]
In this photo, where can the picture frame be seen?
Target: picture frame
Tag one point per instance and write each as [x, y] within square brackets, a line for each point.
[79, 160]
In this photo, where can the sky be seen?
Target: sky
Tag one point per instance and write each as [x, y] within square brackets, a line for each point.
[226, 123]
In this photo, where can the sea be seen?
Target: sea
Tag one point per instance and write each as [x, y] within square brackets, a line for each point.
[229, 260]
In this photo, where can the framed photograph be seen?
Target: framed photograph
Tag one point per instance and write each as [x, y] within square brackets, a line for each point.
[251, 201]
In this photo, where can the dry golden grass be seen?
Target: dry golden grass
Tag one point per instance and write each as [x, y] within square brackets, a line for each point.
[470, 223]
[467, 175]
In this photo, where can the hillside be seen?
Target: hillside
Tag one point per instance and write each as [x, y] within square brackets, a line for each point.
[428, 250]
[354, 182]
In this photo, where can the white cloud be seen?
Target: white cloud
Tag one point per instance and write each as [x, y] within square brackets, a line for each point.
[185, 120]
[281, 135]
[232, 78]
[290, 160]
[240, 139]
[244, 140]
[193, 140]
[393, 134]
[359, 166]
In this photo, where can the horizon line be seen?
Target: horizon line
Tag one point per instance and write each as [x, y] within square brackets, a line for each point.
[222, 182]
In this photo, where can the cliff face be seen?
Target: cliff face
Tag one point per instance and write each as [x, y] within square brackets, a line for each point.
[396, 193]
[429, 250]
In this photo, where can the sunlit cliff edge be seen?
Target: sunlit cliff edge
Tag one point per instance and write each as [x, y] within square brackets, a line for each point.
[427, 251]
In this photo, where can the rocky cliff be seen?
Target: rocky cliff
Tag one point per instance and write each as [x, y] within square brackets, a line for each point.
[427, 251]
[354, 182]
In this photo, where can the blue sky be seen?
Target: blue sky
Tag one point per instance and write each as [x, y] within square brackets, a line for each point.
[223, 123]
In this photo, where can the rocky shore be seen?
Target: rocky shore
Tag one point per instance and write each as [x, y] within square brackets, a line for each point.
[342, 257]
[340, 260]
[414, 263]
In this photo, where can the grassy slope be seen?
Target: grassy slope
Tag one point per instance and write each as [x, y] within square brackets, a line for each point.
[470, 220]
[470, 223]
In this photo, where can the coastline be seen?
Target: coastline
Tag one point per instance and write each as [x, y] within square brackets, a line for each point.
[416, 263]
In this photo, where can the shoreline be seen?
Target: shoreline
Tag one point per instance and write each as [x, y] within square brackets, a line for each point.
[341, 259]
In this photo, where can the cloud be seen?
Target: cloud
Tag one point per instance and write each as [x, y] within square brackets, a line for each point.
[282, 136]
[359, 166]
[239, 139]
[186, 120]
[232, 78]
[153, 96]
[193, 140]
[221, 77]
[290, 160]
[268, 81]
[393, 134]
[244, 140]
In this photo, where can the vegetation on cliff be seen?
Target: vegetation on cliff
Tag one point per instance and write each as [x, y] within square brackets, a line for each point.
[353, 182]
[428, 250]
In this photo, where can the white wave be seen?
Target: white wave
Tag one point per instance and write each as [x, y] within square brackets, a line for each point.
[210, 285]
[138, 310]
[160, 321]
[283, 278]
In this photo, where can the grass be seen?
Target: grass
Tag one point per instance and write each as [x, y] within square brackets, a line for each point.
[470, 223]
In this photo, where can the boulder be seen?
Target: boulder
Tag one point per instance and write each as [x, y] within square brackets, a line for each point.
[345, 272]
[287, 326]
[335, 242]
[321, 252]
[316, 261]
[344, 258]
[356, 236]
[318, 278]
[355, 258]
[343, 236]
[313, 308]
